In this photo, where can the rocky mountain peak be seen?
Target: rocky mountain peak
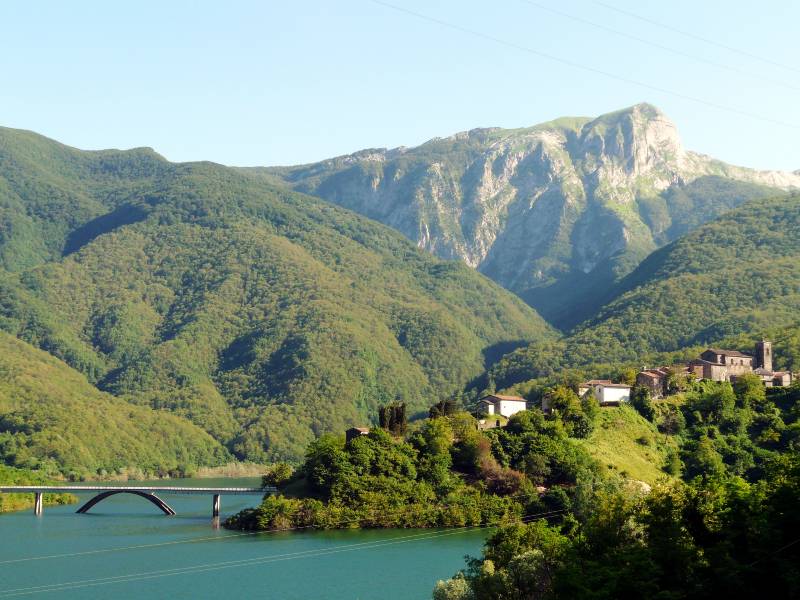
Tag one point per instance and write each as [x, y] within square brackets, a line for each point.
[638, 140]
[551, 210]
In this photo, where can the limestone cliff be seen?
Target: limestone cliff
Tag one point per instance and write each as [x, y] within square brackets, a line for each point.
[556, 212]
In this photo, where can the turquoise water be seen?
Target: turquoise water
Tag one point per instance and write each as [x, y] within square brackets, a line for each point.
[126, 548]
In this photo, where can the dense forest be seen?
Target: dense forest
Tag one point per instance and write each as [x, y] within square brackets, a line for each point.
[52, 420]
[729, 526]
[262, 316]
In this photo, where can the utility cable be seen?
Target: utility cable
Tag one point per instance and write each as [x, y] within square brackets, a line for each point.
[216, 537]
[695, 36]
[65, 586]
[648, 42]
[582, 67]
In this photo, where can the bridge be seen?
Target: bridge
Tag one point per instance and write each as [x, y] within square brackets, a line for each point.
[150, 493]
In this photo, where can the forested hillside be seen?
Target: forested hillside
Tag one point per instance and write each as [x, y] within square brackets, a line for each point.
[264, 316]
[739, 274]
[53, 420]
[730, 528]
[14, 476]
[730, 282]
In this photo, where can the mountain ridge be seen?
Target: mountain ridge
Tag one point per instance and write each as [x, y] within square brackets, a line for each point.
[568, 203]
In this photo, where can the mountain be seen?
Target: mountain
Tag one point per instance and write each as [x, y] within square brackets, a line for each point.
[262, 315]
[53, 420]
[729, 282]
[738, 274]
[557, 213]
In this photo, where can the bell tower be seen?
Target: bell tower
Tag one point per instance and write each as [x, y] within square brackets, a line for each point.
[764, 355]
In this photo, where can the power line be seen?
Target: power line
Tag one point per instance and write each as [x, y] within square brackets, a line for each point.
[313, 553]
[771, 554]
[695, 36]
[119, 549]
[582, 67]
[217, 537]
[647, 42]
[200, 568]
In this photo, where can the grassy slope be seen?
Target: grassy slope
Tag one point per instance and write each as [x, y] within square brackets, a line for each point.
[616, 443]
[262, 315]
[52, 419]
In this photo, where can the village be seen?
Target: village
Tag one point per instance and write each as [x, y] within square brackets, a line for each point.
[713, 364]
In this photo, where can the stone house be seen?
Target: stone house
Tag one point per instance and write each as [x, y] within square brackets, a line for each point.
[716, 364]
[655, 380]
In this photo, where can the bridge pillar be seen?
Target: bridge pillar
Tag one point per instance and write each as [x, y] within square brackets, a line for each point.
[215, 506]
[38, 503]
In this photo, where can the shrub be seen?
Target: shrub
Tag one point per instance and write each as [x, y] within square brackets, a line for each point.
[278, 474]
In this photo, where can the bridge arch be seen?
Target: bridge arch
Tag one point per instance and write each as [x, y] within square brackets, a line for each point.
[165, 508]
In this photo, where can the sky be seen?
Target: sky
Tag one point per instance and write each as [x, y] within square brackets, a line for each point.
[275, 83]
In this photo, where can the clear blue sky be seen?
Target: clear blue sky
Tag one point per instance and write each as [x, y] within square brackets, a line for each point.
[265, 83]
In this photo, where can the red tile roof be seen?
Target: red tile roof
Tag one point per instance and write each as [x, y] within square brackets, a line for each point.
[652, 373]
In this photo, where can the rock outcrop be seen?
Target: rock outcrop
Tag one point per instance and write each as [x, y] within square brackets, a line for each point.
[557, 212]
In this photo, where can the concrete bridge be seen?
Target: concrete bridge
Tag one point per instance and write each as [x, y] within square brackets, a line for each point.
[148, 492]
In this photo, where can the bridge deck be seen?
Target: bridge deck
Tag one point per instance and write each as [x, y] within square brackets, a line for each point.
[74, 489]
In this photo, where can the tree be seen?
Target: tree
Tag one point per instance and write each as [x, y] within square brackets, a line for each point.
[627, 376]
[277, 475]
[677, 381]
[750, 391]
[672, 421]
[672, 464]
[433, 442]
[443, 408]
[703, 460]
[641, 401]
[326, 462]
[392, 417]
[456, 588]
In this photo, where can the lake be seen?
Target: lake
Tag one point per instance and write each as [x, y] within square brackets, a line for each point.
[126, 548]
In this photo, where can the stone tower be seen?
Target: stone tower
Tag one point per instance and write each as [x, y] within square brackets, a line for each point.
[764, 355]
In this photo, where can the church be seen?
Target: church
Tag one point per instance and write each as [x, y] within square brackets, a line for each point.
[720, 365]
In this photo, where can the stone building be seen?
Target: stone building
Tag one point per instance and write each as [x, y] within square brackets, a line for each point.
[655, 380]
[716, 364]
